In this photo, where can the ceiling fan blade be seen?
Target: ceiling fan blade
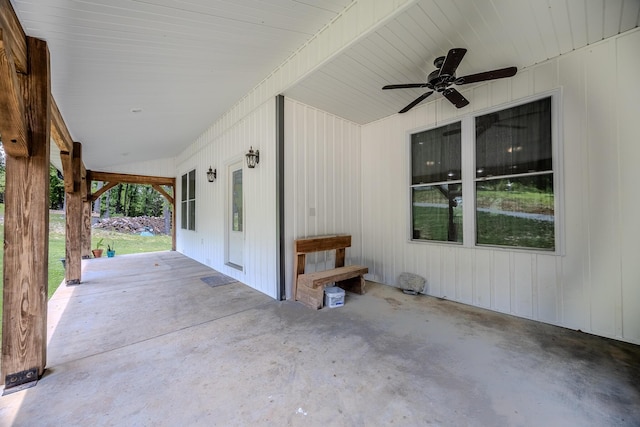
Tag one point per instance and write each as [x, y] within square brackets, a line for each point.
[487, 75]
[455, 97]
[451, 62]
[415, 102]
[405, 86]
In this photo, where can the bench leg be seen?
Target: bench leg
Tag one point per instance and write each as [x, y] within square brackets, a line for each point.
[312, 298]
[355, 284]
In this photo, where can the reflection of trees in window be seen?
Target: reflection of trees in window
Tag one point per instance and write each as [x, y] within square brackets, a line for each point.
[514, 177]
[436, 184]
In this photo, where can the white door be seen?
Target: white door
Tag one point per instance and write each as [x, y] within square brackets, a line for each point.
[235, 215]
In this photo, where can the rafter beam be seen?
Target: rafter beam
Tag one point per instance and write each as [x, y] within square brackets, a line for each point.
[164, 193]
[124, 178]
[59, 132]
[102, 190]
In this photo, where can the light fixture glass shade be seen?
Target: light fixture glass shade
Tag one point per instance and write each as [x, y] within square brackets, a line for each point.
[253, 158]
[212, 174]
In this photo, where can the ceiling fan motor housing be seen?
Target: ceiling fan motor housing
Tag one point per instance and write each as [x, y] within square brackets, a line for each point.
[439, 82]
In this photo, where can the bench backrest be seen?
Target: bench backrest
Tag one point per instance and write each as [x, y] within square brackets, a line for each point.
[319, 244]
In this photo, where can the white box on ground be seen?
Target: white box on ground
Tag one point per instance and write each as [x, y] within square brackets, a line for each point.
[333, 297]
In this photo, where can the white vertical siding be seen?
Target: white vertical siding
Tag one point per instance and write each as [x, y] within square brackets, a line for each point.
[254, 115]
[207, 243]
[593, 284]
[322, 182]
[628, 94]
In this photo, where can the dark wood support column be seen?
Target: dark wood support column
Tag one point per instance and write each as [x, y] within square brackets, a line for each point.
[26, 233]
[73, 214]
[86, 216]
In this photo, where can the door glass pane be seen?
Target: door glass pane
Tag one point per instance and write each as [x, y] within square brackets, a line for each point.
[517, 212]
[237, 201]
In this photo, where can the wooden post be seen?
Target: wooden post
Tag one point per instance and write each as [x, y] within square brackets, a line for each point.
[73, 214]
[26, 233]
[86, 216]
[173, 219]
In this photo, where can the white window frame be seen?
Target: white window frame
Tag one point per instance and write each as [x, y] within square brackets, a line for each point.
[195, 197]
[468, 156]
[412, 186]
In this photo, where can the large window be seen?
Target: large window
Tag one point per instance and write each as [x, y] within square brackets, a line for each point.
[512, 179]
[436, 184]
[188, 201]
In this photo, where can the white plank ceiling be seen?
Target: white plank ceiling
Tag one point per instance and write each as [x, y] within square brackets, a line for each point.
[185, 62]
[497, 34]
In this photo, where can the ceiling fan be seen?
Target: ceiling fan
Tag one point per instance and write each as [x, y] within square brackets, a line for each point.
[444, 76]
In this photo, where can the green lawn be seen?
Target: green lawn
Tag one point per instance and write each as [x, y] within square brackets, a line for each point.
[123, 243]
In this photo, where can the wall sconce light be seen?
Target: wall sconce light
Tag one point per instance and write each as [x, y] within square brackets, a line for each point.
[212, 174]
[253, 158]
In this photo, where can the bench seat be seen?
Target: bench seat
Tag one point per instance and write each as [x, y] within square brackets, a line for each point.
[321, 278]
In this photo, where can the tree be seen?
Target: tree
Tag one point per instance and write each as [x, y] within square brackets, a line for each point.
[56, 189]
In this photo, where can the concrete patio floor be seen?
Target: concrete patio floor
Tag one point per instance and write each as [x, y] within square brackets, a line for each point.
[144, 341]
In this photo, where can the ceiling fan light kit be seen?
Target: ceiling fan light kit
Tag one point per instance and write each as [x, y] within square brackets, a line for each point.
[444, 76]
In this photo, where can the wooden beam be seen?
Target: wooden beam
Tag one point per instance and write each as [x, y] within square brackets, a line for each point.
[59, 131]
[163, 192]
[76, 166]
[67, 171]
[12, 31]
[73, 223]
[13, 126]
[86, 217]
[172, 202]
[26, 234]
[129, 179]
[73, 238]
[156, 182]
[173, 223]
[108, 186]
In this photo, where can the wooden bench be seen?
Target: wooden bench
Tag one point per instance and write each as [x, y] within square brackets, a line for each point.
[308, 288]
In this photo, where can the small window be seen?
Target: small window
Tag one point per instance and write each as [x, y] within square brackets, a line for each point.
[514, 177]
[436, 184]
[188, 201]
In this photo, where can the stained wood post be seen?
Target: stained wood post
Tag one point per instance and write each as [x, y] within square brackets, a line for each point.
[173, 219]
[73, 215]
[86, 217]
[26, 233]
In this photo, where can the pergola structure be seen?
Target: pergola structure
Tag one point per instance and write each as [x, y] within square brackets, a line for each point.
[29, 121]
